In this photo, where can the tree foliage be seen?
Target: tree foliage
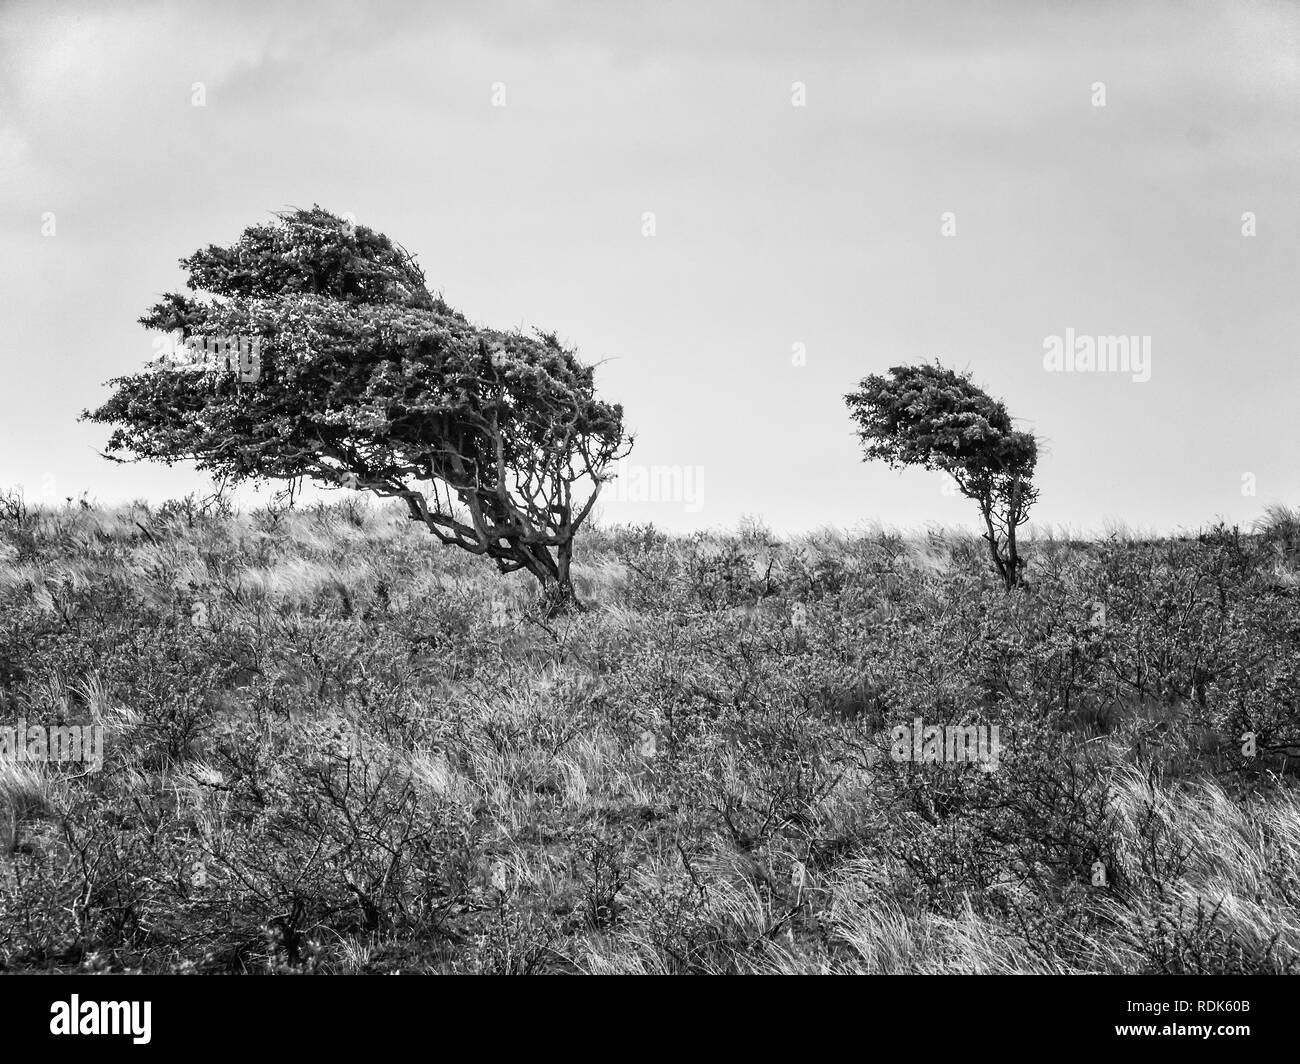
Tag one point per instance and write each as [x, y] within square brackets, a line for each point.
[938, 419]
[495, 440]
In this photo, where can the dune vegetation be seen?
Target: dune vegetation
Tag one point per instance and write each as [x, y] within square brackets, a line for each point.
[331, 745]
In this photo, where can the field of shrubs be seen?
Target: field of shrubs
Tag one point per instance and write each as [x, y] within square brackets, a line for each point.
[332, 746]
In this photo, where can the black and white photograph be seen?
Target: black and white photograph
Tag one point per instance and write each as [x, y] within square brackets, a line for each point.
[620, 489]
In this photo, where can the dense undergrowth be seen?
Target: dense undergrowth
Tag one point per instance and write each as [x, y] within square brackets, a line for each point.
[331, 746]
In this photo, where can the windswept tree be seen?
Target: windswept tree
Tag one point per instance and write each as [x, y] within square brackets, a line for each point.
[335, 364]
[938, 419]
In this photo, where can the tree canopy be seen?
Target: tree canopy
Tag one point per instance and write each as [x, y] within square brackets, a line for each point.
[494, 439]
[936, 418]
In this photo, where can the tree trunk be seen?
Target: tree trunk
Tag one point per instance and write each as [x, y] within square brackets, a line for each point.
[1014, 511]
[991, 537]
[1013, 560]
[558, 598]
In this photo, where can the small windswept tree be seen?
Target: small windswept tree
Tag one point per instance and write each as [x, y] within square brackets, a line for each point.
[938, 419]
[337, 365]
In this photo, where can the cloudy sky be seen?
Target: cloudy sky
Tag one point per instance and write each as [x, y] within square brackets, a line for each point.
[781, 233]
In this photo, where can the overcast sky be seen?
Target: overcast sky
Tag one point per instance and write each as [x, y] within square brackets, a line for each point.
[775, 225]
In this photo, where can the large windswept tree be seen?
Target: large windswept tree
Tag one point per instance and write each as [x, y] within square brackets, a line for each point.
[938, 419]
[347, 371]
